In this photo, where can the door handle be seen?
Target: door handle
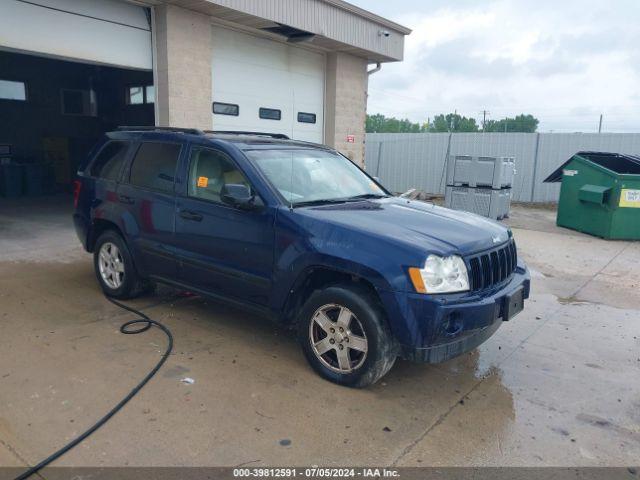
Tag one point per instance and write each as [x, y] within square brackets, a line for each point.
[189, 215]
[126, 199]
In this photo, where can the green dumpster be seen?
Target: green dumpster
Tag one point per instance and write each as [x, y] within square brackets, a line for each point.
[600, 194]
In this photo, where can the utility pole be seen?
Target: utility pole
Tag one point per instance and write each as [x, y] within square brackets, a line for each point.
[484, 118]
[600, 125]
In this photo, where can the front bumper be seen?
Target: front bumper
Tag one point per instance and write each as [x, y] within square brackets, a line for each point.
[435, 328]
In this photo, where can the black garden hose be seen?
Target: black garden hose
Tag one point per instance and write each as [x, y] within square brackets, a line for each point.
[147, 323]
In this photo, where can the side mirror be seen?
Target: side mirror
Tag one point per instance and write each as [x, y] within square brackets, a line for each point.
[238, 195]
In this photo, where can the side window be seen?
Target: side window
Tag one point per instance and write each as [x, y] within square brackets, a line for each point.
[154, 166]
[78, 102]
[209, 171]
[304, 117]
[12, 90]
[269, 113]
[109, 161]
[139, 95]
[220, 108]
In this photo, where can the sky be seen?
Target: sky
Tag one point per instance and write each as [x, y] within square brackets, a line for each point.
[563, 61]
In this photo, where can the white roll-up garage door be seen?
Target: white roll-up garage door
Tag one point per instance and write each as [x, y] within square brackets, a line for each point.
[266, 86]
[109, 32]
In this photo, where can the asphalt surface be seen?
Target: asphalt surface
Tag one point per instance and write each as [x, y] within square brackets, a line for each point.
[559, 385]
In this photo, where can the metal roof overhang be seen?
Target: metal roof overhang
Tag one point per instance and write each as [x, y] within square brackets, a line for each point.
[336, 25]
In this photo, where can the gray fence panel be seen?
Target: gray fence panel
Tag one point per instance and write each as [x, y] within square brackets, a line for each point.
[400, 160]
[417, 160]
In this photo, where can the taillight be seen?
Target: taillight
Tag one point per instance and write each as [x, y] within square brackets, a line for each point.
[77, 186]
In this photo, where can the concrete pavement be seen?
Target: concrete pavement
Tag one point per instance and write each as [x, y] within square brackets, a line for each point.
[558, 385]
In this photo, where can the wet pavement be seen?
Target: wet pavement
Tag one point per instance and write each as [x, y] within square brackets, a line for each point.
[558, 385]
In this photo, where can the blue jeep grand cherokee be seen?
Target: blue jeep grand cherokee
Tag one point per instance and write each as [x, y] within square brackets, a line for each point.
[297, 232]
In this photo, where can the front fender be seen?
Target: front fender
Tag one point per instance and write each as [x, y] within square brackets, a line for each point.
[301, 247]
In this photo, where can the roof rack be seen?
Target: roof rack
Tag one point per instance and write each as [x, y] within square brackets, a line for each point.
[281, 136]
[193, 131]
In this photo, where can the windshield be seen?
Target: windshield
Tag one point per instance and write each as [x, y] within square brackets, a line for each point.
[305, 176]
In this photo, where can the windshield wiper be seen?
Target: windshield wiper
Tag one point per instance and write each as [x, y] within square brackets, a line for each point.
[327, 201]
[367, 195]
[323, 201]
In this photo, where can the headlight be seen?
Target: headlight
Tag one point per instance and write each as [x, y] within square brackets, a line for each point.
[440, 275]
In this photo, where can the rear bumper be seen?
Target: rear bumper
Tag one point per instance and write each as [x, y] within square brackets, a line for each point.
[442, 327]
[82, 229]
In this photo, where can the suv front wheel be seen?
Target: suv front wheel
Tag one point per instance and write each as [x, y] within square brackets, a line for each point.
[345, 337]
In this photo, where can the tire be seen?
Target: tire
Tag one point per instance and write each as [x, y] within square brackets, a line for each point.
[358, 313]
[116, 271]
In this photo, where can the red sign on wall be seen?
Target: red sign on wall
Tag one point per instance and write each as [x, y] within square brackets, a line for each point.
[351, 139]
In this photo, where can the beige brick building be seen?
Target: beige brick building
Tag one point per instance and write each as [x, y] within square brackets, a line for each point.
[347, 38]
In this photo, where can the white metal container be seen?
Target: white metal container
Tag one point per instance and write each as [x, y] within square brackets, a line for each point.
[477, 171]
[487, 202]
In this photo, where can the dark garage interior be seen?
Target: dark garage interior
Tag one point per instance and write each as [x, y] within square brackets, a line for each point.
[53, 111]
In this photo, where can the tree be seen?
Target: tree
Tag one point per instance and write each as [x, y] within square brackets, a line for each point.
[451, 122]
[378, 123]
[520, 123]
[454, 123]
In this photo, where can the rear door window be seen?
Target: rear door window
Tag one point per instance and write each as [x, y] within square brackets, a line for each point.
[154, 166]
[109, 161]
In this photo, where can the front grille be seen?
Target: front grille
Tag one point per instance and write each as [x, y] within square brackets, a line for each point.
[492, 267]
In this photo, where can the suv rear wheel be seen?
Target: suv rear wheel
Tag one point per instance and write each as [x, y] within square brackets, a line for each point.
[114, 267]
[345, 337]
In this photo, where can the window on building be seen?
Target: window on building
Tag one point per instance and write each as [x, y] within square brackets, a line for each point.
[209, 171]
[136, 96]
[154, 166]
[109, 161]
[306, 117]
[12, 90]
[270, 113]
[79, 102]
[150, 93]
[220, 108]
[141, 94]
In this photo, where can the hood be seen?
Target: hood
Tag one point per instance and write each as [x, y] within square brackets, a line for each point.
[435, 229]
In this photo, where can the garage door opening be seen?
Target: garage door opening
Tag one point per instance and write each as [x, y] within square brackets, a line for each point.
[69, 71]
[53, 111]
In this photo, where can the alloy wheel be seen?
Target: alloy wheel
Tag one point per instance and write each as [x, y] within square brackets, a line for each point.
[337, 338]
[111, 265]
